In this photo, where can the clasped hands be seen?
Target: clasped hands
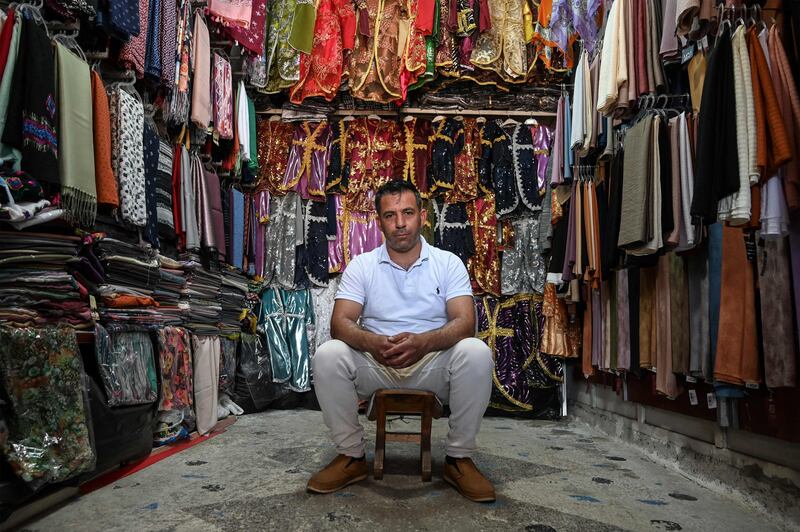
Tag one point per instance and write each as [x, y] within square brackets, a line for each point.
[399, 351]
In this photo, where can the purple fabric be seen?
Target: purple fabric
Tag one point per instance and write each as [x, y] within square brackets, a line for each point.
[542, 137]
[557, 175]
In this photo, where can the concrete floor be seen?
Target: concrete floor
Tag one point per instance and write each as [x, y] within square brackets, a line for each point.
[549, 476]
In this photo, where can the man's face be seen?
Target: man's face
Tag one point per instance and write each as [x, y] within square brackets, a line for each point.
[401, 220]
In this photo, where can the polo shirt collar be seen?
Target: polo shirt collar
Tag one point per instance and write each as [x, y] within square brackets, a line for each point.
[424, 253]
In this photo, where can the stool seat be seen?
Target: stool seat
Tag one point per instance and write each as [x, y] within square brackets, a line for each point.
[404, 402]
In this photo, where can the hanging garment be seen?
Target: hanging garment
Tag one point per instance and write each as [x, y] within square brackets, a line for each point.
[133, 51]
[465, 181]
[307, 167]
[686, 159]
[717, 163]
[323, 300]
[633, 231]
[582, 109]
[679, 313]
[151, 150]
[613, 61]
[166, 223]
[281, 239]
[105, 182]
[736, 359]
[190, 174]
[231, 12]
[127, 368]
[648, 318]
[76, 150]
[524, 378]
[417, 153]
[339, 163]
[201, 81]
[501, 48]
[282, 61]
[274, 141]
[205, 371]
[236, 231]
[497, 162]
[283, 320]
[209, 215]
[666, 383]
[375, 149]
[152, 59]
[523, 269]
[223, 97]
[252, 36]
[484, 265]
[375, 64]
[9, 156]
[179, 98]
[447, 141]
[321, 70]
[31, 123]
[356, 233]
[168, 42]
[127, 154]
[415, 28]
[561, 336]
[316, 242]
[42, 373]
[452, 232]
[175, 355]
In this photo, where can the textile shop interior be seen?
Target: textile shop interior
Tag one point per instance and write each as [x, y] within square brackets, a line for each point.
[183, 183]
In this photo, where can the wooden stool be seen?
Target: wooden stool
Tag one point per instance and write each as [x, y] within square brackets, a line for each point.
[404, 402]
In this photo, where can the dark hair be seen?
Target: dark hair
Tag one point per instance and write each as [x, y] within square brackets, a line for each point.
[396, 187]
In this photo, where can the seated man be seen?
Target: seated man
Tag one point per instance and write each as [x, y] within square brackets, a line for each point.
[403, 318]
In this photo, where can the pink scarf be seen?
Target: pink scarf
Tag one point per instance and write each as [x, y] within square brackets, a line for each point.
[231, 12]
[223, 97]
[201, 88]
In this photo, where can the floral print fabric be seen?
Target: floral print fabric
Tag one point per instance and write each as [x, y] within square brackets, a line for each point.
[175, 354]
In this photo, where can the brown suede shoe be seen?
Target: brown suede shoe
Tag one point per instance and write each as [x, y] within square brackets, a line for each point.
[469, 482]
[341, 472]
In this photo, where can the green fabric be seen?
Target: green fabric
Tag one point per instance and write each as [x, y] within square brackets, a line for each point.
[76, 139]
[431, 43]
[301, 37]
[251, 115]
[7, 153]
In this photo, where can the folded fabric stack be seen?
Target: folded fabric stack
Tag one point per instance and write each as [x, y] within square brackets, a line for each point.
[171, 283]
[201, 298]
[131, 277]
[44, 280]
[234, 299]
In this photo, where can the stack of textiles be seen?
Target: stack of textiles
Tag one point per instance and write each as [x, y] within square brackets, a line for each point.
[172, 281]
[234, 299]
[201, 298]
[131, 277]
[44, 280]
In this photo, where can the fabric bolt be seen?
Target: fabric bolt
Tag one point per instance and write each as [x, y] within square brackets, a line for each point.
[127, 130]
[699, 342]
[209, 209]
[283, 320]
[205, 372]
[666, 383]
[105, 181]
[151, 151]
[582, 111]
[685, 155]
[201, 81]
[49, 438]
[76, 149]
[223, 97]
[242, 122]
[648, 318]
[32, 117]
[133, 51]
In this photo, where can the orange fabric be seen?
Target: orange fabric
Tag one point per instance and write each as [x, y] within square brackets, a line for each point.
[737, 346]
[586, 357]
[105, 181]
[647, 318]
[557, 337]
[126, 301]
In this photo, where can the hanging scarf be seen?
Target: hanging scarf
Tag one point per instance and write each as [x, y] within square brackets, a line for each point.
[201, 84]
[237, 229]
[223, 97]
[178, 110]
[166, 225]
[231, 12]
[127, 122]
[252, 37]
[76, 157]
[32, 114]
[152, 149]
[9, 156]
[152, 62]
[105, 182]
[123, 18]
[132, 53]
[168, 45]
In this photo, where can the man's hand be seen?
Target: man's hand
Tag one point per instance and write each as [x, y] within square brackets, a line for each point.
[407, 349]
[379, 345]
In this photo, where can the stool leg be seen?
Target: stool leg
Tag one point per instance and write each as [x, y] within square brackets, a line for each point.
[425, 442]
[380, 441]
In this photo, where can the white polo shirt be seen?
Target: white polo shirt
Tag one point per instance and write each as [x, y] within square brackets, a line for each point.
[396, 300]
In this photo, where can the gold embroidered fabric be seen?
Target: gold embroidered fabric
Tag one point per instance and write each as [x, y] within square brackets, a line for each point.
[502, 47]
[376, 62]
[484, 265]
[274, 140]
[375, 151]
[465, 185]
[560, 337]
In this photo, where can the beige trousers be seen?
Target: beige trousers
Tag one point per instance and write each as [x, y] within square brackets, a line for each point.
[460, 376]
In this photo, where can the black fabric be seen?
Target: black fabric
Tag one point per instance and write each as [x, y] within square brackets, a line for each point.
[32, 118]
[316, 243]
[610, 253]
[665, 157]
[453, 232]
[448, 141]
[633, 312]
[151, 154]
[717, 166]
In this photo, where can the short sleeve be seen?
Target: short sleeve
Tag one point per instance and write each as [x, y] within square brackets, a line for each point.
[457, 279]
[353, 283]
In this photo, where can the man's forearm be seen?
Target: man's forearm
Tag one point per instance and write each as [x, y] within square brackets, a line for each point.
[448, 335]
[353, 334]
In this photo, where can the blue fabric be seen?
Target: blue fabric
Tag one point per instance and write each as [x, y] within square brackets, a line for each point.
[714, 284]
[152, 61]
[237, 228]
[124, 18]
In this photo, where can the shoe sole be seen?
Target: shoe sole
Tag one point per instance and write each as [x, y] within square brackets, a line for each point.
[473, 499]
[351, 481]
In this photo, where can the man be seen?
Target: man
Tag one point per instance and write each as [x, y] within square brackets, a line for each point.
[403, 318]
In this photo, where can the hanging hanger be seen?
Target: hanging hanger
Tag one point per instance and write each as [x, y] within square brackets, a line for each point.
[373, 117]
[68, 40]
[34, 10]
[348, 118]
[531, 121]
[408, 118]
[509, 121]
[438, 118]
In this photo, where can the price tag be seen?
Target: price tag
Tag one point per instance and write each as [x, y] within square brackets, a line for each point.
[693, 397]
[752, 386]
[704, 42]
[712, 400]
[687, 53]
[690, 379]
